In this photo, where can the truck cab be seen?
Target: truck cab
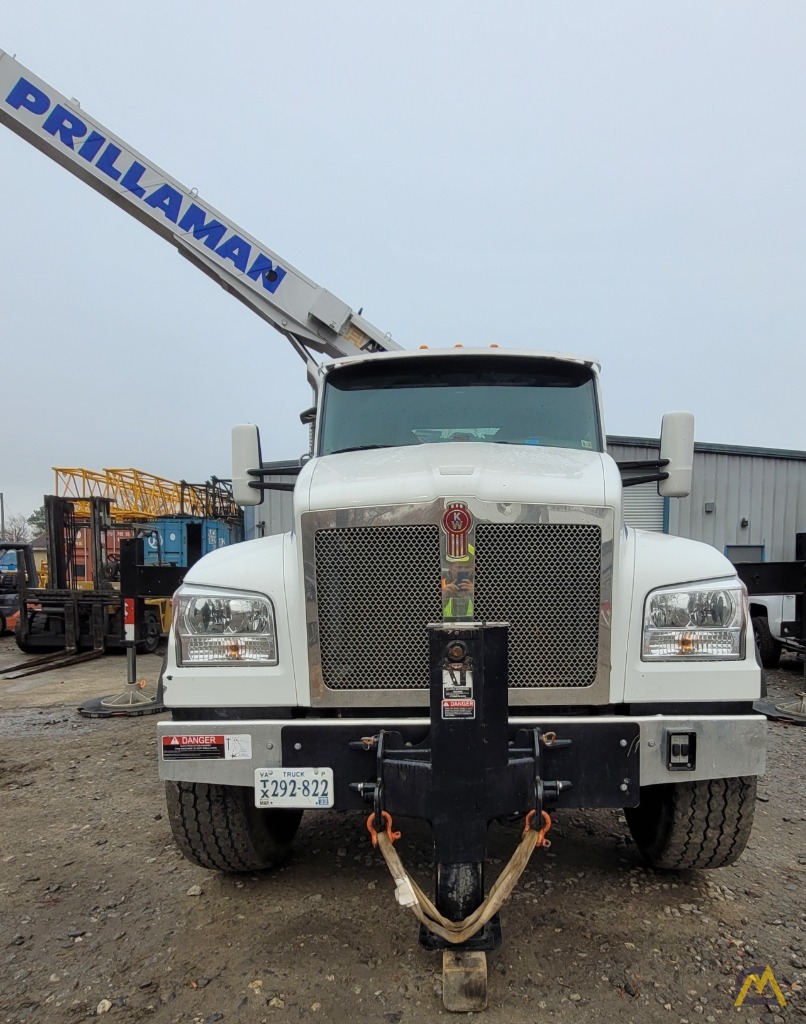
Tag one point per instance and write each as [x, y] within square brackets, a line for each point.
[452, 490]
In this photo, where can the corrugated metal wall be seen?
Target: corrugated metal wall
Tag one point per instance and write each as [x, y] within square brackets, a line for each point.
[642, 506]
[731, 487]
[275, 514]
[768, 494]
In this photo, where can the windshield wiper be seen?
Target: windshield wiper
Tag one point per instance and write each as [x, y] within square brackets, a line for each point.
[360, 448]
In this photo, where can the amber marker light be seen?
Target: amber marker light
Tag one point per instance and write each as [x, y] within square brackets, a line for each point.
[686, 645]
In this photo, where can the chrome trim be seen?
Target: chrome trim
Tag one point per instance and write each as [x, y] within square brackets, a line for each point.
[429, 514]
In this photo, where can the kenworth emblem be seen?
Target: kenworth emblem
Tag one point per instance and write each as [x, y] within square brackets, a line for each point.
[458, 562]
[456, 522]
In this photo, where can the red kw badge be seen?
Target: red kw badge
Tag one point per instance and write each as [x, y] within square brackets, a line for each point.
[456, 522]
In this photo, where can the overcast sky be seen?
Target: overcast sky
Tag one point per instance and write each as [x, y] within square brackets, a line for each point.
[619, 179]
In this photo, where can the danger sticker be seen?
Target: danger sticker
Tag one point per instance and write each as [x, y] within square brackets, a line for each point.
[206, 747]
[458, 709]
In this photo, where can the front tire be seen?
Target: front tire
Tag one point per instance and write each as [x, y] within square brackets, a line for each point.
[703, 824]
[219, 827]
[769, 649]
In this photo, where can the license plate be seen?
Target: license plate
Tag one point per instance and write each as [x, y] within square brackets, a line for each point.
[293, 787]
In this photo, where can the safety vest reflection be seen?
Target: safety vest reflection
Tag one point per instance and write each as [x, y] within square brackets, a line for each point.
[459, 606]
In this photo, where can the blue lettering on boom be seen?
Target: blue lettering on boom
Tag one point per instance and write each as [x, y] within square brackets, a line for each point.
[26, 95]
[91, 146]
[237, 250]
[131, 178]
[270, 274]
[66, 126]
[106, 161]
[212, 231]
[166, 199]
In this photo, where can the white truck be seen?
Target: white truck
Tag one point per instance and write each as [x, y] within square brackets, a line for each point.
[774, 621]
[458, 628]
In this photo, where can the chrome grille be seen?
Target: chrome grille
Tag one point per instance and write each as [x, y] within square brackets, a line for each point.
[544, 579]
[378, 588]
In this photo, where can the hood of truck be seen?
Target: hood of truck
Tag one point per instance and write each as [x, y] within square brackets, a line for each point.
[489, 472]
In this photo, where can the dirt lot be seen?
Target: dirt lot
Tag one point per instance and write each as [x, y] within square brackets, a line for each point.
[101, 916]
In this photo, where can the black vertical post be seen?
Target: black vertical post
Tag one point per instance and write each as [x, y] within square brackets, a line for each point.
[132, 556]
[800, 599]
[55, 515]
[469, 712]
[71, 625]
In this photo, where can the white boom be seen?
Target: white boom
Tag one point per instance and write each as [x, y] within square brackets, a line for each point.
[309, 316]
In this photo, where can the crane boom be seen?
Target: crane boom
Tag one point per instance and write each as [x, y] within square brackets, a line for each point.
[311, 317]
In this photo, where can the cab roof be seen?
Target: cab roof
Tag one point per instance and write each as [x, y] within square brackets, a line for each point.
[460, 352]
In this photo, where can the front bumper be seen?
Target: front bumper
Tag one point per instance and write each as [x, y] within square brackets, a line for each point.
[608, 759]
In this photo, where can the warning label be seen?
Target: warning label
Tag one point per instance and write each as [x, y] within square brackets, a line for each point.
[457, 685]
[229, 748]
[458, 709]
[457, 692]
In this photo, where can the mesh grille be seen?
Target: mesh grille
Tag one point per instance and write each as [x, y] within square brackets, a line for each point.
[379, 587]
[377, 590]
[544, 580]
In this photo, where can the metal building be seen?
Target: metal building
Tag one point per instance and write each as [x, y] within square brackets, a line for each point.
[275, 514]
[747, 502]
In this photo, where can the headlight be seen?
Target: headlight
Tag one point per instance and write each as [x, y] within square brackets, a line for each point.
[699, 621]
[221, 627]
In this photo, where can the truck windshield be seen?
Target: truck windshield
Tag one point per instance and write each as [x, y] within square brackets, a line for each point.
[433, 399]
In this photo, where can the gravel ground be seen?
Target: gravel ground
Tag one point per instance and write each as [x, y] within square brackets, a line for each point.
[101, 915]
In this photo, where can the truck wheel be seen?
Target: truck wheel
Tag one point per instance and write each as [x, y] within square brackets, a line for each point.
[152, 633]
[769, 649]
[704, 824]
[2, 623]
[219, 827]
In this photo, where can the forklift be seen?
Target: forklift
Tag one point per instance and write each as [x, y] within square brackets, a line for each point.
[79, 606]
[15, 559]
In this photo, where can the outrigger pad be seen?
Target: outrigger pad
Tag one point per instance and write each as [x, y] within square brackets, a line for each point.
[103, 707]
[464, 981]
[781, 712]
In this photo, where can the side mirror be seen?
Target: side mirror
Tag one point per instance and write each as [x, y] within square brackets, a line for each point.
[677, 445]
[245, 457]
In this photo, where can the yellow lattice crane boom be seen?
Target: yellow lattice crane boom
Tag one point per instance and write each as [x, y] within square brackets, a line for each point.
[139, 495]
